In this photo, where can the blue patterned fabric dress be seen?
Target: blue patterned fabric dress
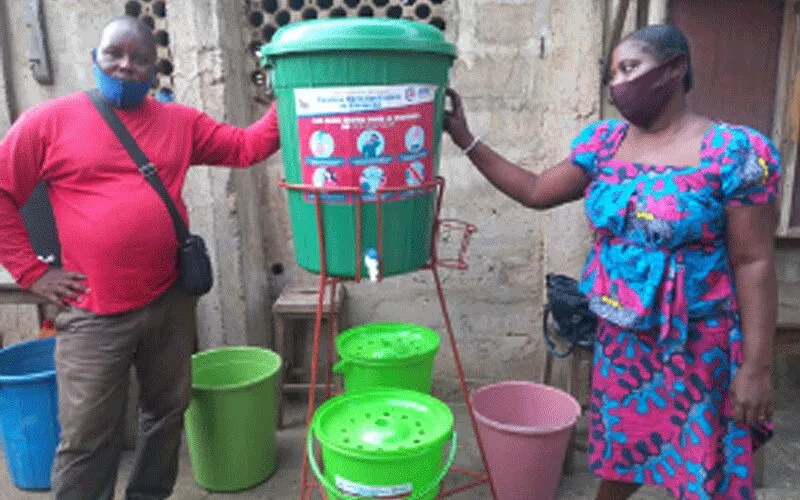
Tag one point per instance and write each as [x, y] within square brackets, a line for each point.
[669, 340]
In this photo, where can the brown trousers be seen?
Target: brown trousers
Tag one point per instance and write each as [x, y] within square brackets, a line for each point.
[93, 358]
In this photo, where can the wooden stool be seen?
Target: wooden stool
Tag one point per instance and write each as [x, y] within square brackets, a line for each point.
[574, 385]
[298, 303]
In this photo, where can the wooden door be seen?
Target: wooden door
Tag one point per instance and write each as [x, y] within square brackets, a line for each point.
[735, 52]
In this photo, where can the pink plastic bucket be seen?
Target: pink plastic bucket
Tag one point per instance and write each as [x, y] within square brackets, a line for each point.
[525, 429]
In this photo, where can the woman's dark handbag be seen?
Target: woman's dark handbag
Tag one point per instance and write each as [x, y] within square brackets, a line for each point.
[573, 322]
[194, 266]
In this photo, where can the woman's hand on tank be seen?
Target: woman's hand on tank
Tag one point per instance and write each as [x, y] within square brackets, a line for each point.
[455, 122]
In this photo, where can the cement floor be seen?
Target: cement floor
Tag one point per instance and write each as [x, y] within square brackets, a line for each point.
[782, 470]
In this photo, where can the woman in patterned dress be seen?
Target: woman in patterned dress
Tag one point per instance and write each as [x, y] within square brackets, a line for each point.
[681, 274]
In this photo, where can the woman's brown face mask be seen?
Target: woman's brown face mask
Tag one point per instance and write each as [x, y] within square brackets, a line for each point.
[641, 100]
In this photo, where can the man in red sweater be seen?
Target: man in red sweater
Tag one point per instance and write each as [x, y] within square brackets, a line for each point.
[118, 282]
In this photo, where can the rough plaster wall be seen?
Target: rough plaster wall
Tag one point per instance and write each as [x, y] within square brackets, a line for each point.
[787, 267]
[223, 203]
[526, 75]
[278, 246]
[6, 107]
[787, 370]
[73, 29]
[16, 322]
[247, 183]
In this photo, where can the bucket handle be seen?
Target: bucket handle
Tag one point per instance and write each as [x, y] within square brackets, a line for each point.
[414, 496]
[340, 367]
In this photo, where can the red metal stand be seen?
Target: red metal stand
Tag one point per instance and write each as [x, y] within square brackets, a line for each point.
[433, 265]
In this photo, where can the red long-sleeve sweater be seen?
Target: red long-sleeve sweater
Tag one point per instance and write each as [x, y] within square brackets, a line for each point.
[112, 225]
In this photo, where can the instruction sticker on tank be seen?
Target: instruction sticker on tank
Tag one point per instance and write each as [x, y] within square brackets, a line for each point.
[363, 490]
[371, 138]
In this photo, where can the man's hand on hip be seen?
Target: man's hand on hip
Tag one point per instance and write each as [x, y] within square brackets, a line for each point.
[58, 286]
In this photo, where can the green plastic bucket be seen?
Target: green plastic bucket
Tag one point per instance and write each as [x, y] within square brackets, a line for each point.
[231, 423]
[361, 105]
[384, 443]
[387, 355]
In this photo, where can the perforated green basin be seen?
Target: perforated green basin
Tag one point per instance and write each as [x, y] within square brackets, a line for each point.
[387, 355]
[383, 442]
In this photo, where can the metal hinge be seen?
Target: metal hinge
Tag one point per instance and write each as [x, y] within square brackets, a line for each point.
[38, 53]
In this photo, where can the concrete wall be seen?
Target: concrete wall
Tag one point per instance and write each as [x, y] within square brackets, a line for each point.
[208, 51]
[73, 28]
[529, 76]
[787, 370]
[788, 271]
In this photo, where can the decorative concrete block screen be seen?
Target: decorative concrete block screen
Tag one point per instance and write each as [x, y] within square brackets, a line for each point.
[264, 17]
[154, 14]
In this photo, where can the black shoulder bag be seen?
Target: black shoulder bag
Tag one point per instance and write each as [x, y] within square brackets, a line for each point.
[573, 322]
[194, 265]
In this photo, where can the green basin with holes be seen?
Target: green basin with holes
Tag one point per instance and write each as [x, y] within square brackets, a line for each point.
[387, 355]
[360, 106]
[384, 443]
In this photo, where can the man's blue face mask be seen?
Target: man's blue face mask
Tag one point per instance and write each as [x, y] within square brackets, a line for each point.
[121, 93]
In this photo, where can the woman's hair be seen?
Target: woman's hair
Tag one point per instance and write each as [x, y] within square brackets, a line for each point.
[666, 41]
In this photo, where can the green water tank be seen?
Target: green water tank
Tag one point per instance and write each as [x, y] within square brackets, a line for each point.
[360, 104]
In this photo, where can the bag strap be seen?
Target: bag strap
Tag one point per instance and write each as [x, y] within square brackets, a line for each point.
[147, 169]
[551, 346]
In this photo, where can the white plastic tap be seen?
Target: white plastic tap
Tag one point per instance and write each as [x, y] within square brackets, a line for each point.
[371, 262]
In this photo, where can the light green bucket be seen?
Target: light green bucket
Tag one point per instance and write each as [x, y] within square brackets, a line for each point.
[383, 443]
[231, 423]
[397, 355]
